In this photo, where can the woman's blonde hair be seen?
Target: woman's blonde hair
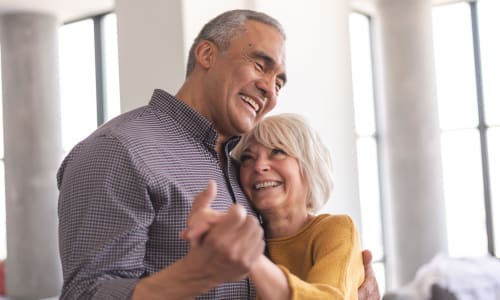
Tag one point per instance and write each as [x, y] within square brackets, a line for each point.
[292, 134]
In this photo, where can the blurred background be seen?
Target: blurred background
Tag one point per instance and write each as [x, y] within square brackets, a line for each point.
[406, 94]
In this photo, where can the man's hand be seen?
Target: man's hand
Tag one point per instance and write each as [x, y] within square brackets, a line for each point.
[223, 245]
[369, 289]
[202, 216]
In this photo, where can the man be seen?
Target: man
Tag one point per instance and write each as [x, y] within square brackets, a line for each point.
[126, 191]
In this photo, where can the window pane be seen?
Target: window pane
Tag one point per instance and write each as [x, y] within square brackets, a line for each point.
[359, 28]
[489, 23]
[454, 58]
[78, 90]
[369, 197]
[494, 160]
[379, 269]
[363, 96]
[464, 195]
[112, 88]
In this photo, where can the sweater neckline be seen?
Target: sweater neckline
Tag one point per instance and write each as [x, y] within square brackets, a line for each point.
[301, 231]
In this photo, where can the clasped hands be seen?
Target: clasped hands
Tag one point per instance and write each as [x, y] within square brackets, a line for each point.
[224, 244]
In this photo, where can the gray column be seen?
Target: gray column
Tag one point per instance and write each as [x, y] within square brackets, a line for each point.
[32, 135]
[409, 138]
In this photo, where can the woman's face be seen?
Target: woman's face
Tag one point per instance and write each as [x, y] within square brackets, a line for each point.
[272, 179]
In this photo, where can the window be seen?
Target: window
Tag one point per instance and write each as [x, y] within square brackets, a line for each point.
[89, 76]
[78, 81]
[363, 92]
[487, 25]
[110, 63]
[467, 66]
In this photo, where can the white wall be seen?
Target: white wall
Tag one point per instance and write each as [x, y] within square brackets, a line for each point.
[320, 86]
[150, 46]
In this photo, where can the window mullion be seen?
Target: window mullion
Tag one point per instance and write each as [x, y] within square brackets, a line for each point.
[482, 127]
[99, 70]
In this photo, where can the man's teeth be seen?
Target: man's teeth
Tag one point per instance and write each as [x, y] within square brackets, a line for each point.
[252, 103]
[266, 184]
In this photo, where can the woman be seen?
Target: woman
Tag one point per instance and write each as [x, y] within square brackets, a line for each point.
[285, 170]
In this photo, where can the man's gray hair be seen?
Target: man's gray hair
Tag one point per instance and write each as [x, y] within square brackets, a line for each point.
[225, 26]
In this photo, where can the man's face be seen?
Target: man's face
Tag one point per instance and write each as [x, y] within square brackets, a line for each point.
[244, 81]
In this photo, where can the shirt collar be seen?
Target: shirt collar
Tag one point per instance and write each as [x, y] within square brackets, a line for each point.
[199, 127]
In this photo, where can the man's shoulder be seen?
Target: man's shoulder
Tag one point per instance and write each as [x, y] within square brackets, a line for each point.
[139, 128]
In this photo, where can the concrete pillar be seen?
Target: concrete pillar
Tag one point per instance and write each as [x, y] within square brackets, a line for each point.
[32, 133]
[409, 138]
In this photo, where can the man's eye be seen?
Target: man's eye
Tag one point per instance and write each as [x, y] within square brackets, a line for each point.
[259, 66]
[278, 87]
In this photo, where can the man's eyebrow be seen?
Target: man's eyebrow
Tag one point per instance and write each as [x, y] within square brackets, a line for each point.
[269, 61]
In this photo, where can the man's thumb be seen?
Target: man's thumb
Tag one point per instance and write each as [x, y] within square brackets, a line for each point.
[203, 199]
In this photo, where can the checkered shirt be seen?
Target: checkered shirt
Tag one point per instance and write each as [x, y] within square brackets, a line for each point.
[125, 194]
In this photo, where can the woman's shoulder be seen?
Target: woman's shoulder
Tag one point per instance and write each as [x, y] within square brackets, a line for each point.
[335, 220]
[339, 226]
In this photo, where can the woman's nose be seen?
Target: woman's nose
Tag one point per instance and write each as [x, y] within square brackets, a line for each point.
[262, 165]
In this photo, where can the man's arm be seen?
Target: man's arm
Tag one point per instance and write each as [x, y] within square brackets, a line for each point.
[103, 221]
[369, 289]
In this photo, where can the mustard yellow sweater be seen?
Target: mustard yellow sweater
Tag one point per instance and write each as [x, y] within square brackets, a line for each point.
[321, 261]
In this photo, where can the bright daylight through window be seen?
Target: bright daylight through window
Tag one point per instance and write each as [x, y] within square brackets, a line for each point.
[469, 111]
[363, 92]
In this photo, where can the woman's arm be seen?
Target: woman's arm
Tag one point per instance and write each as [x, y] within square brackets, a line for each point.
[336, 265]
[269, 280]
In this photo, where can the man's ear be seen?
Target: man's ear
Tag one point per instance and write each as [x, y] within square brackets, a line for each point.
[205, 53]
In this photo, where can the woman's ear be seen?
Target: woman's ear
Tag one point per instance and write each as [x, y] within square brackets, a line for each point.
[205, 53]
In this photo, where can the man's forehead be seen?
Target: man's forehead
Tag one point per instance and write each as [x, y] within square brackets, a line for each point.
[264, 39]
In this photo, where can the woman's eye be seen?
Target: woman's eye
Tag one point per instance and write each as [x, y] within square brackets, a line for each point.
[278, 151]
[244, 157]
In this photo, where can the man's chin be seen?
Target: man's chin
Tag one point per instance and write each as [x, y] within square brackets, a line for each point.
[245, 127]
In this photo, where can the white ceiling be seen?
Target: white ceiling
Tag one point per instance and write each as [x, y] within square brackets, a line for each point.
[65, 10]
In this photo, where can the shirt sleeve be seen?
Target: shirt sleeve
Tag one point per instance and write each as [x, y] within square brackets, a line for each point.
[104, 214]
[338, 269]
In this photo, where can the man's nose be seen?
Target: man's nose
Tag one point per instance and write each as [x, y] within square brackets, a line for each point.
[267, 86]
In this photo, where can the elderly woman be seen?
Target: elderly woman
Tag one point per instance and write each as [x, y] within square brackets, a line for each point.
[285, 170]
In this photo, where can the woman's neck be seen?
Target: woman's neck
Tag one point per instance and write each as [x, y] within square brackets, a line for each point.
[282, 224]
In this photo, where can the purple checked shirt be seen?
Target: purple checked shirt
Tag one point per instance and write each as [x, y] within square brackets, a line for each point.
[125, 194]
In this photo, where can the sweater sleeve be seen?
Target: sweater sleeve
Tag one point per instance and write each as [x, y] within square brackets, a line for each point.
[337, 269]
